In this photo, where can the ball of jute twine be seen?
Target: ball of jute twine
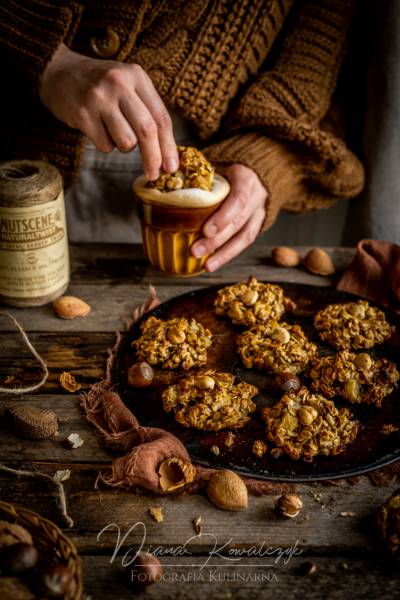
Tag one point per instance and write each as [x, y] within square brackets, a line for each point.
[28, 182]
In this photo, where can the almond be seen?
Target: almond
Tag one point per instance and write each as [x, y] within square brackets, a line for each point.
[227, 490]
[283, 256]
[317, 261]
[70, 307]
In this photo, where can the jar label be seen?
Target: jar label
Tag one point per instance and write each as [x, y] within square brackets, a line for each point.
[34, 259]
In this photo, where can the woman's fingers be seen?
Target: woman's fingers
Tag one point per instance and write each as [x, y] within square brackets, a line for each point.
[237, 243]
[93, 127]
[236, 209]
[146, 132]
[150, 98]
[119, 130]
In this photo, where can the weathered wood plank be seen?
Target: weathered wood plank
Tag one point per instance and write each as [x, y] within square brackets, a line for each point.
[336, 578]
[72, 420]
[114, 298]
[320, 526]
[121, 262]
[83, 354]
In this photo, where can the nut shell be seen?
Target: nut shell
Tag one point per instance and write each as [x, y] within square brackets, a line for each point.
[283, 256]
[71, 307]
[317, 261]
[227, 490]
[175, 473]
[289, 505]
[12, 533]
[33, 423]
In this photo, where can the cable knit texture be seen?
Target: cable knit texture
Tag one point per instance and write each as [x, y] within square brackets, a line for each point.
[255, 77]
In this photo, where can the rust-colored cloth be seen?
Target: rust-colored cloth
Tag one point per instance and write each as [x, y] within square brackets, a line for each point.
[374, 273]
[255, 78]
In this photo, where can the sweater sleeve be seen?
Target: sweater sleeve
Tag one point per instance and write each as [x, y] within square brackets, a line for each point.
[280, 128]
[31, 31]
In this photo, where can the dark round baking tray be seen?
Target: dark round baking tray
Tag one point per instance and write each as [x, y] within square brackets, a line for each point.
[370, 450]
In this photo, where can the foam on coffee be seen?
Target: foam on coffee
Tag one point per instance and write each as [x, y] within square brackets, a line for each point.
[184, 198]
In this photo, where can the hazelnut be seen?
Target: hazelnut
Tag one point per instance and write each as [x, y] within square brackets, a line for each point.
[289, 505]
[285, 257]
[363, 361]
[18, 558]
[175, 335]
[174, 183]
[317, 261]
[307, 415]
[53, 581]
[280, 334]
[205, 382]
[140, 374]
[356, 310]
[352, 391]
[234, 312]
[146, 570]
[286, 382]
[250, 297]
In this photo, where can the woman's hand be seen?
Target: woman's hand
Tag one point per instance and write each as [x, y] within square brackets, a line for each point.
[113, 104]
[238, 222]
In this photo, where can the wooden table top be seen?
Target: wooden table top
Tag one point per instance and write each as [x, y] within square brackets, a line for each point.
[333, 530]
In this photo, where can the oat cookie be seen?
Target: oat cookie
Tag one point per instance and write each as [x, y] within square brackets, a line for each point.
[195, 171]
[210, 400]
[303, 425]
[355, 377]
[177, 342]
[352, 325]
[251, 302]
[275, 347]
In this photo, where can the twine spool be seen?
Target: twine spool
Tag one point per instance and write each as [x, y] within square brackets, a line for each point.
[34, 259]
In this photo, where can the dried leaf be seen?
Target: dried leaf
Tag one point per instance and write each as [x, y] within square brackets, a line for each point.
[69, 383]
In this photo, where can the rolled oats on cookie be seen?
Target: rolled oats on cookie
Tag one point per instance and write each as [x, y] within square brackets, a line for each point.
[357, 378]
[304, 425]
[210, 400]
[352, 325]
[275, 347]
[175, 343]
[251, 302]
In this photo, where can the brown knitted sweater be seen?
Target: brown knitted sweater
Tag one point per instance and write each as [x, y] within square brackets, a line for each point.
[255, 77]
